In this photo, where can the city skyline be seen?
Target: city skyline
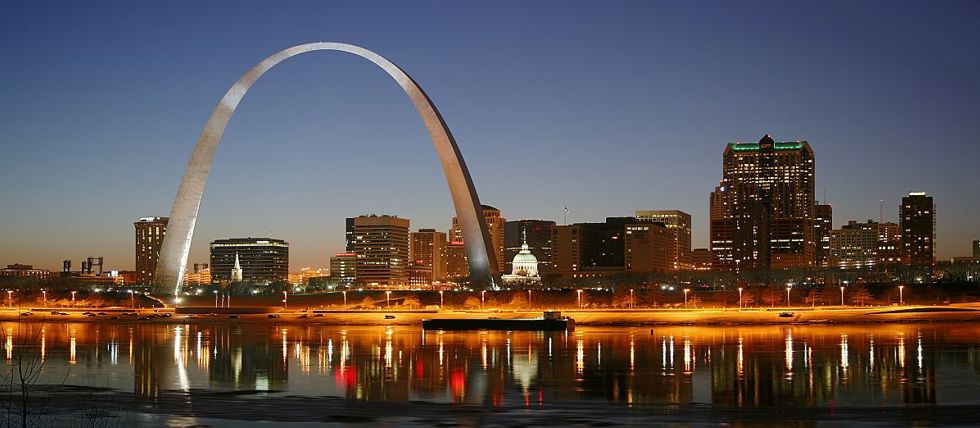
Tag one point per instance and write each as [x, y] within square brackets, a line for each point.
[100, 154]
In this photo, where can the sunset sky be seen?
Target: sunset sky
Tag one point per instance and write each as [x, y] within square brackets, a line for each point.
[603, 107]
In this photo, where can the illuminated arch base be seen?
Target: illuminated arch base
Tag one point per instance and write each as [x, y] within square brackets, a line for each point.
[180, 230]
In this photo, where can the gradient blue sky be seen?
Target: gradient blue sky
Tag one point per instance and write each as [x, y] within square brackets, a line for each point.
[604, 107]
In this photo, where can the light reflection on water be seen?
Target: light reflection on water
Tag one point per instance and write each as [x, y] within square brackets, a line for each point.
[724, 366]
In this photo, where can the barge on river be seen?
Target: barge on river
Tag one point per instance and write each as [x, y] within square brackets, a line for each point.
[551, 321]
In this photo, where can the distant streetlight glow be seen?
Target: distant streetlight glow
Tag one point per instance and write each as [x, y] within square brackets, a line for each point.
[740, 298]
[285, 298]
[579, 293]
[787, 295]
[842, 296]
[686, 290]
[901, 300]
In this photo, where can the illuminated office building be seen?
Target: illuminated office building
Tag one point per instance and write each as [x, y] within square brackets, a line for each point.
[918, 222]
[855, 245]
[427, 248]
[260, 260]
[766, 206]
[381, 246]
[823, 224]
[149, 236]
[679, 224]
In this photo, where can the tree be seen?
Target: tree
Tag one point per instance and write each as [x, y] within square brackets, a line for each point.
[859, 295]
[519, 299]
[813, 297]
[772, 295]
[472, 303]
[748, 298]
[367, 303]
[650, 297]
[411, 302]
[621, 298]
[693, 301]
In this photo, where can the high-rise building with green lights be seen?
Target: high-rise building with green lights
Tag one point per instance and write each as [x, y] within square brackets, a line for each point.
[765, 206]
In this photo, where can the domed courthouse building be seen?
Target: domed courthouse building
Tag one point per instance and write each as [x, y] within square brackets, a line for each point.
[525, 267]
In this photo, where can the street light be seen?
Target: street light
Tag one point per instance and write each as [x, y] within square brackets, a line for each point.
[216, 298]
[73, 298]
[901, 300]
[9, 299]
[482, 294]
[686, 290]
[345, 297]
[740, 298]
[45, 294]
[132, 299]
[529, 298]
[388, 298]
[631, 298]
[440, 299]
[787, 295]
[842, 295]
[228, 299]
[579, 296]
[285, 299]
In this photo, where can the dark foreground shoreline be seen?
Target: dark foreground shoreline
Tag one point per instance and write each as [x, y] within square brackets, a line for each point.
[237, 408]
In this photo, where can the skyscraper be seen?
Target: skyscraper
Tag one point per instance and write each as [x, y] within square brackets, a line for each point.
[495, 227]
[149, 236]
[583, 250]
[889, 244]
[342, 268]
[918, 222]
[349, 234]
[538, 242]
[823, 224]
[767, 204]
[722, 258]
[427, 248]
[381, 246]
[457, 265]
[679, 224]
[855, 245]
[260, 260]
[650, 247]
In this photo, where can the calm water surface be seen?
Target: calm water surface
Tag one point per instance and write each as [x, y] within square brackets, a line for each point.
[821, 366]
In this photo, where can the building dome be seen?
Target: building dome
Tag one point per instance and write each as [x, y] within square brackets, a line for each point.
[524, 263]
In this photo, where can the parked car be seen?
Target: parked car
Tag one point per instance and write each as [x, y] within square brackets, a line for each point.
[786, 314]
[26, 314]
[389, 317]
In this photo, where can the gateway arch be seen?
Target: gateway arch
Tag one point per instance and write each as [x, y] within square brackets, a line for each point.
[177, 241]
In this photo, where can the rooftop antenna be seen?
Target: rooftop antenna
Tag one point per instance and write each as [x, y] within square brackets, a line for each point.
[566, 215]
[881, 211]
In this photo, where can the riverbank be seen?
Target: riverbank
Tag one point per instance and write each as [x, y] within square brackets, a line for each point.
[704, 317]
